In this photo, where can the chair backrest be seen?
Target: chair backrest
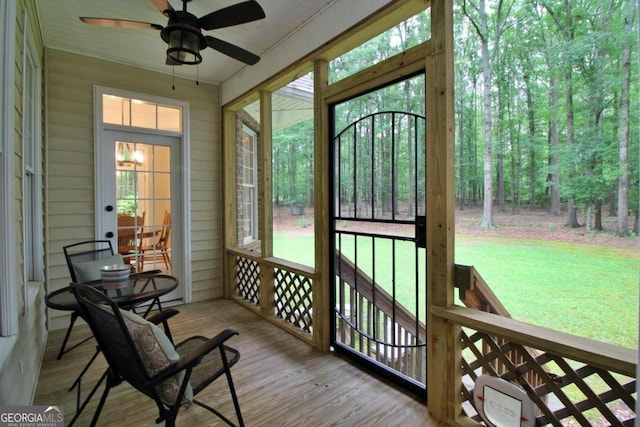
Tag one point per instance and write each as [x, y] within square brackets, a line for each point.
[89, 250]
[163, 241]
[115, 341]
[130, 228]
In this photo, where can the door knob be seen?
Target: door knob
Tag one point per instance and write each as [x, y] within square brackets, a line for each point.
[109, 234]
[109, 208]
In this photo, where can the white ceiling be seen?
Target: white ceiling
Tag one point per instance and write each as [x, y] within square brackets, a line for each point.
[61, 29]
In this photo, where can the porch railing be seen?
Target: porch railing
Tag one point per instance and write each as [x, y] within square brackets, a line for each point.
[571, 380]
[280, 290]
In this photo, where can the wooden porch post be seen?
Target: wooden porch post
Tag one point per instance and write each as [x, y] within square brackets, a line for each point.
[443, 338]
[324, 278]
[265, 203]
[229, 201]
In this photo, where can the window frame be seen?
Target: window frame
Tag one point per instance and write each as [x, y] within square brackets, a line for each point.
[32, 209]
[8, 289]
[251, 188]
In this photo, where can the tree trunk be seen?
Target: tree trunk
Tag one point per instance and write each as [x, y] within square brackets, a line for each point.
[569, 35]
[532, 143]
[487, 208]
[598, 216]
[554, 161]
[572, 213]
[462, 185]
[622, 223]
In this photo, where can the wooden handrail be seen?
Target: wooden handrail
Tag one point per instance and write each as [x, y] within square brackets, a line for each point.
[595, 353]
[474, 291]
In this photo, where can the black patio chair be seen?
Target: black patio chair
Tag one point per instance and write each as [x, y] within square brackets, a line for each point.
[139, 353]
[84, 260]
[79, 254]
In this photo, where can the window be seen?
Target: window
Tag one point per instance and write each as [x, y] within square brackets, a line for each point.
[134, 112]
[247, 188]
[31, 171]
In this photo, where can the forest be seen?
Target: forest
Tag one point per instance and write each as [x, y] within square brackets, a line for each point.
[546, 109]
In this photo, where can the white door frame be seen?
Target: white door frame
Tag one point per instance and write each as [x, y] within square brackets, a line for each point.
[184, 191]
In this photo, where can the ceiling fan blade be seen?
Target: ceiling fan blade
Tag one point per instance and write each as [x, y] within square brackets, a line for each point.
[240, 13]
[232, 50]
[106, 22]
[163, 6]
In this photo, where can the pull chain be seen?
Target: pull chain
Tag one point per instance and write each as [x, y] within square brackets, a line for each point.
[173, 77]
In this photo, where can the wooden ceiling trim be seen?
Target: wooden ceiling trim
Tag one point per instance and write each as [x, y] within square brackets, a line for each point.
[373, 25]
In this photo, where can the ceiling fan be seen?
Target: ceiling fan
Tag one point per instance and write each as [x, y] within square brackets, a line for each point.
[183, 32]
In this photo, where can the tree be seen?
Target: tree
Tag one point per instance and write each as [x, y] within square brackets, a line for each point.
[622, 223]
[480, 23]
[565, 24]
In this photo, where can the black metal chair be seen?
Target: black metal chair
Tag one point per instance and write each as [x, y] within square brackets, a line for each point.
[139, 353]
[83, 260]
[76, 255]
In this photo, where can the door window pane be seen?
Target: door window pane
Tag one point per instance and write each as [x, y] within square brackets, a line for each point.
[143, 193]
[133, 112]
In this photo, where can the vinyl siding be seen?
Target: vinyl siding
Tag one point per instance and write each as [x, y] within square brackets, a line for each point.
[22, 354]
[70, 81]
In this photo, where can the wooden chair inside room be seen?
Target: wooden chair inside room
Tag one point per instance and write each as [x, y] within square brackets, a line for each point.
[161, 246]
[130, 230]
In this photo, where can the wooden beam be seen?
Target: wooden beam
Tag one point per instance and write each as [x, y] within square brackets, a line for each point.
[229, 217]
[324, 280]
[265, 203]
[380, 21]
[443, 338]
[401, 65]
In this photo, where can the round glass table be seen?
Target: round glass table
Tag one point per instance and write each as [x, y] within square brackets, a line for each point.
[140, 288]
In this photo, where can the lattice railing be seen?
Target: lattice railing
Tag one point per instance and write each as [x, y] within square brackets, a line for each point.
[279, 288]
[572, 392]
[577, 381]
[293, 298]
[248, 279]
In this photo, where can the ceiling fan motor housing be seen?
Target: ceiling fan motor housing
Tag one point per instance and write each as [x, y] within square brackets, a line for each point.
[184, 37]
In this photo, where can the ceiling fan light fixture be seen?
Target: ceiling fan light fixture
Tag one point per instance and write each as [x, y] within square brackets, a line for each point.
[183, 33]
[184, 44]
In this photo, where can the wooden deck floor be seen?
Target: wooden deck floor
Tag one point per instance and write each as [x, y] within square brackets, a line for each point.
[280, 380]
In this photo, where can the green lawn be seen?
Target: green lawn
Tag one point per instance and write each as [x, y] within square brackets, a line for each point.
[590, 291]
[584, 290]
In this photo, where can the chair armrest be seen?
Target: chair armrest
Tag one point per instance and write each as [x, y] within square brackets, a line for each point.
[208, 345]
[162, 316]
[194, 357]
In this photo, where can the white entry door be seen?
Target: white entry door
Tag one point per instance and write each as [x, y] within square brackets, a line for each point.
[139, 204]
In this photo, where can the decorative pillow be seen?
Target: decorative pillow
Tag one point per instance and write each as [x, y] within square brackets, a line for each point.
[157, 352]
[88, 271]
